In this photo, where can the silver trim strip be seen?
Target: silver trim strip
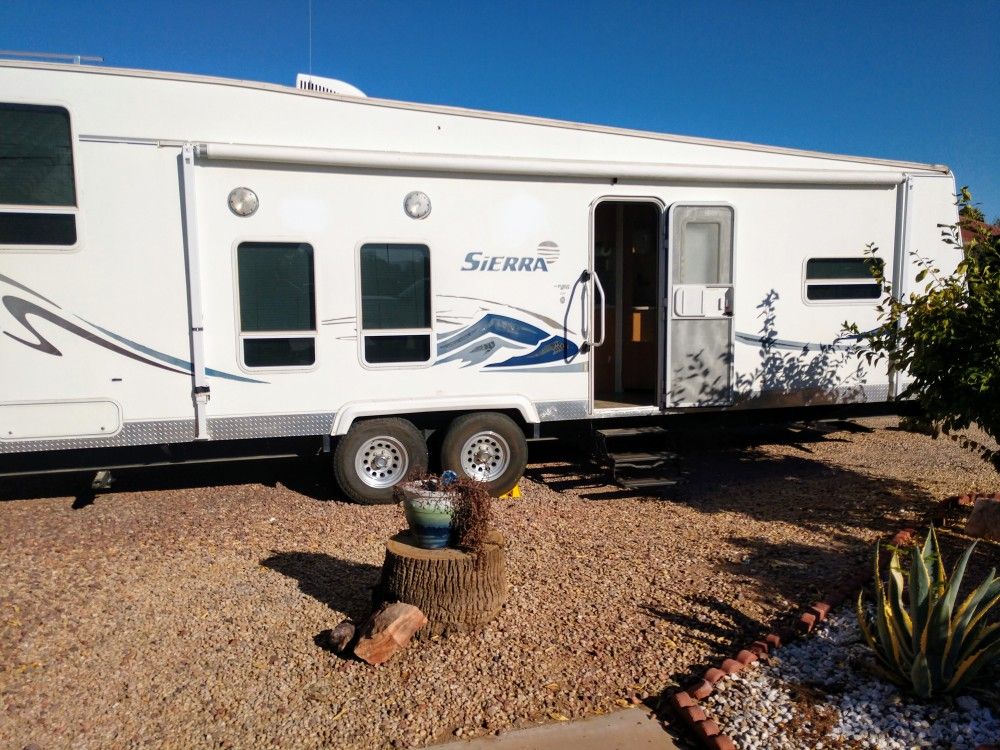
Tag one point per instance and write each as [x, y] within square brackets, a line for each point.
[159, 432]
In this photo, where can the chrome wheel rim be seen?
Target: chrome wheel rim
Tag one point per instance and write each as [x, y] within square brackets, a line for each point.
[485, 456]
[381, 462]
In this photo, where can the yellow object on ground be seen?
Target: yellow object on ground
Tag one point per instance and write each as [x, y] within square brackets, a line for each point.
[514, 493]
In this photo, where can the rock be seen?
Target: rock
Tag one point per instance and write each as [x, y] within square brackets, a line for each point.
[324, 691]
[341, 636]
[387, 631]
[984, 521]
[967, 703]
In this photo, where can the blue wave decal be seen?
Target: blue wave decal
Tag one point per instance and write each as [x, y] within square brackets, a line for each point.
[560, 369]
[552, 349]
[500, 325]
[175, 361]
[479, 351]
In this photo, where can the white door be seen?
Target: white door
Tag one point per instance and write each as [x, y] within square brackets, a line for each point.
[699, 305]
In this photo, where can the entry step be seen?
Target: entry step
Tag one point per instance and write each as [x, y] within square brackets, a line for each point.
[647, 483]
[641, 459]
[627, 432]
[638, 458]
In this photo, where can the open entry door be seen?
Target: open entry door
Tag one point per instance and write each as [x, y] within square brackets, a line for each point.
[627, 261]
[699, 305]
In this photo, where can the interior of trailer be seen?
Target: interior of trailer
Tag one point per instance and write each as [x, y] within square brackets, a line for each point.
[627, 254]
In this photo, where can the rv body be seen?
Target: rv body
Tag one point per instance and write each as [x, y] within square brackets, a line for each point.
[232, 260]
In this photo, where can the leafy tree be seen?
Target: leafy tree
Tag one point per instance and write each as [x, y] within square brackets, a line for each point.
[946, 335]
[971, 212]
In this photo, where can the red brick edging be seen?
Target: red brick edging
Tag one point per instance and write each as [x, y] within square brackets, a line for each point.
[686, 702]
[940, 512]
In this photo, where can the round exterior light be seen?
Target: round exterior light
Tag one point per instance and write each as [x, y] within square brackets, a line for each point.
[243, 201]
[417, 205]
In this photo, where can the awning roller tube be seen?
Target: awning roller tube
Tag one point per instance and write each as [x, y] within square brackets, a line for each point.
[530, 167]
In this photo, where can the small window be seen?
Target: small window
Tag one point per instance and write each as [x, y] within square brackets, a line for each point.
[277, 304]
[396, 303]
[842, 279]
[36, 171]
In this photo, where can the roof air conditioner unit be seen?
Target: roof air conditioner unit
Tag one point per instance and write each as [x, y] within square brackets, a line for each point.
[326, 85]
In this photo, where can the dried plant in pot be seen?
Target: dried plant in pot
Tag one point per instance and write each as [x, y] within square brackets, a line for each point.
[473, 515]
[446, 511]
[429, 506]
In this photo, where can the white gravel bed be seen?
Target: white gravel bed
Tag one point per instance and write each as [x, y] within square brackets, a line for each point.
[817, 692]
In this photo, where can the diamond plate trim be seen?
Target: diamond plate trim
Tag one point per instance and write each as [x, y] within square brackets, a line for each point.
[131, 433]
[183, 431]
[270, 425]
[876, 392]
[554, 411]
[848, 394]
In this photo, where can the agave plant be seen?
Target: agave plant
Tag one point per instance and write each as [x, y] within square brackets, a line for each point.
[920, 639]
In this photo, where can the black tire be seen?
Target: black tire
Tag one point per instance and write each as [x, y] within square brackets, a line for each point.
[396, 441]
[493, 436]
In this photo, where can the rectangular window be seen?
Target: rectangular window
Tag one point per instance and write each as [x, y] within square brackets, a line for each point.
[36, 170]
[396, 303]
[842, 279]
[277, 304]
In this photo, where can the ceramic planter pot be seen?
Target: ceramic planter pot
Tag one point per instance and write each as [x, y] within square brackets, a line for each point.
[429, 514]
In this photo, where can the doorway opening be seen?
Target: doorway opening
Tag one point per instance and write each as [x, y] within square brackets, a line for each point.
[627, 258]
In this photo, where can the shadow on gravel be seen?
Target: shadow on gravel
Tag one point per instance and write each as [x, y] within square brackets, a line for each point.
[727, 469]
[84, 498]
[344, 586]
[801, 573]
[312, 477]
[711, 620]
[795, 489]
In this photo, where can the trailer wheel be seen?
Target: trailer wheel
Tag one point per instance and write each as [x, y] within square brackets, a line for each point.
[486, 446]
[376, 454]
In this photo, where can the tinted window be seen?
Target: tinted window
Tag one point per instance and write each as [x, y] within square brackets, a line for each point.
[845, 279]
[396, 294]
[841, 268]
[36, 156]
[395, 286]
[37, 229]
[277, 295]
[279, 352]
[843, 291]
[384, 349]
[276, 287]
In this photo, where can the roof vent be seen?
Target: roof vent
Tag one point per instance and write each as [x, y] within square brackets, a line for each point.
[326, 85]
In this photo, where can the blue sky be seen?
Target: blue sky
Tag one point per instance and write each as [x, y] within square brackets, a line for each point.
[911, 80]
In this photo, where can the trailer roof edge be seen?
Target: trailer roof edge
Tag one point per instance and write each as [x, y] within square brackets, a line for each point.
[472, 113]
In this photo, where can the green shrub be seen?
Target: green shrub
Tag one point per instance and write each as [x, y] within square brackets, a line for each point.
[943, 338]
[920, 639]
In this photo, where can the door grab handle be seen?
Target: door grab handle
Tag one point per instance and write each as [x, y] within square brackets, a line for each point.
[599, 288]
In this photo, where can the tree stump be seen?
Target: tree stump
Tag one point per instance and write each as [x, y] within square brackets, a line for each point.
[457, 592]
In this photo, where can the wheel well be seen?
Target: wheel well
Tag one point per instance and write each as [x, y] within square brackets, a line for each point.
[433, 421]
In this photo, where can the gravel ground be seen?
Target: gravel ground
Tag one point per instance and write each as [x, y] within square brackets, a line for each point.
[819, 693]
[180, 609]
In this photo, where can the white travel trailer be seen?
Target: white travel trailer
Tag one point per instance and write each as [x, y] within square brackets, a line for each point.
[188, 260]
